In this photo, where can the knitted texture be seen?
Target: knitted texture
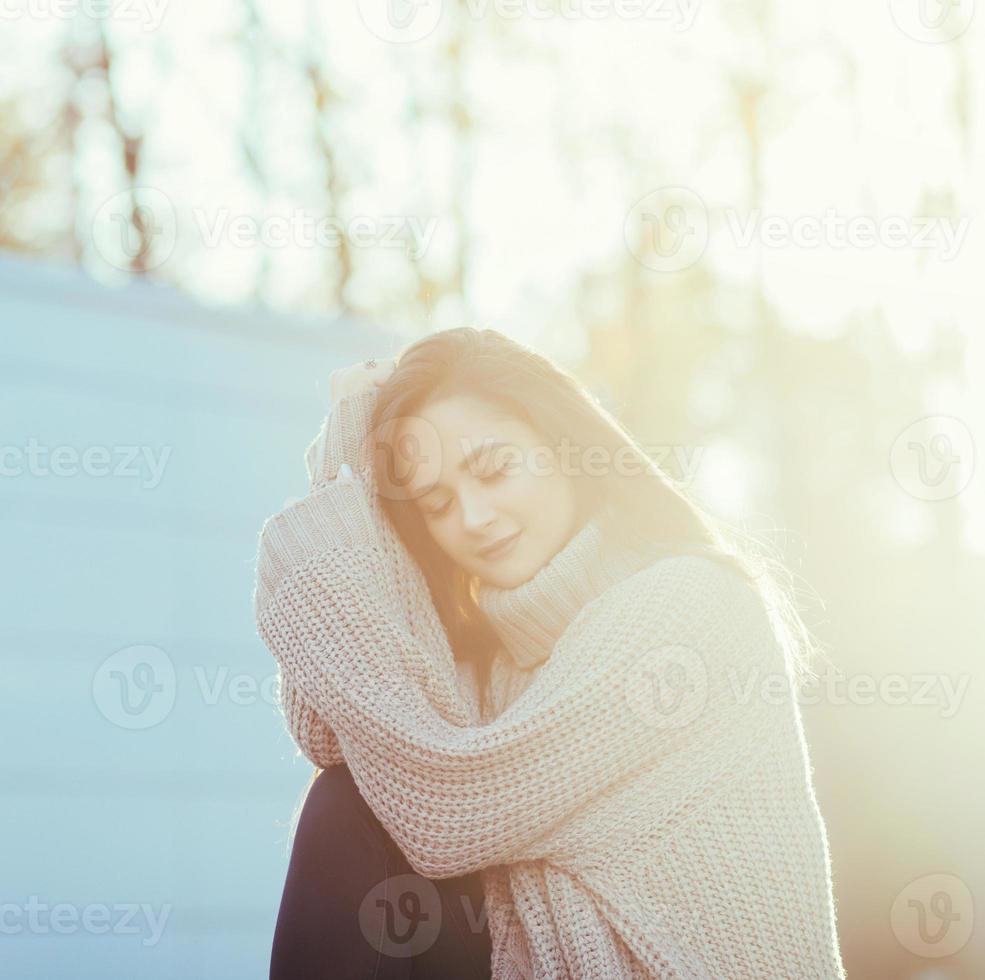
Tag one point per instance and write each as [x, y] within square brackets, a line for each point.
[637, 807]
[531, 618]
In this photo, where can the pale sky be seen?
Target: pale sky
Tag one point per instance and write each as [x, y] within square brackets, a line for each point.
[858, 122]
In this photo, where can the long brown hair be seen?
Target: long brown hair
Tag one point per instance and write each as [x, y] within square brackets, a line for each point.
[513, 378]
[633, 501]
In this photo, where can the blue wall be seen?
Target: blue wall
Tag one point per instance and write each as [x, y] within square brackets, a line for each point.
[145, 773]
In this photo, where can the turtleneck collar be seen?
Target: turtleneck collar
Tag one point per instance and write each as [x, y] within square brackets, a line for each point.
[531, 617]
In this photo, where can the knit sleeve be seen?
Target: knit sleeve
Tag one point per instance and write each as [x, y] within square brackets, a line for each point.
[342, 437]
[323, 519]
[643, 682]
[313, 737]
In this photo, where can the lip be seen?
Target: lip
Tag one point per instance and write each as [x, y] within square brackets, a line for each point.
[501, 549]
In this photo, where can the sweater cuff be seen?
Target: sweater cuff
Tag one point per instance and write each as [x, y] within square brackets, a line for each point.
[339, 515]
[315, 740]
[343, 438]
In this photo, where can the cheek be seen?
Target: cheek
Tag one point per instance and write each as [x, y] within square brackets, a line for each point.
[517, 495]
[540, 482]
[444, 536]
[550, 498]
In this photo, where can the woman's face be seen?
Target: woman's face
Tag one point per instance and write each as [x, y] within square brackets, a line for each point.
[480, 478]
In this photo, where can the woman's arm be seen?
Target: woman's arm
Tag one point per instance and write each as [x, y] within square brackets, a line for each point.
[345, 431]
[311, 735]
[456, 798]
[344, 437]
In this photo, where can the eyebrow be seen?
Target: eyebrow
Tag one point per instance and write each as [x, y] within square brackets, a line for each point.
[485, 447]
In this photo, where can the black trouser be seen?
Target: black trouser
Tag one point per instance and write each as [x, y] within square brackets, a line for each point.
[353, 909]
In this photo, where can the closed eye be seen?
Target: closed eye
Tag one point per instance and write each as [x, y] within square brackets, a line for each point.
[491, 478]
[494, 476]
[440, 510]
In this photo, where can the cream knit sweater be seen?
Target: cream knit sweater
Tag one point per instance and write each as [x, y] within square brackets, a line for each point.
[637, 808]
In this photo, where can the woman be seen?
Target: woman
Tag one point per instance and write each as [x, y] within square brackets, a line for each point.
[549, 671]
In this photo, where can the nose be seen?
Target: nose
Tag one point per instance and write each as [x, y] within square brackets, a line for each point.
[477, 514]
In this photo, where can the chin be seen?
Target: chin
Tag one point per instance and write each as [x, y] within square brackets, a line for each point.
[509, 577]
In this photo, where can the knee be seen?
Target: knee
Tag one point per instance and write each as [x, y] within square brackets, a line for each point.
[334, 798]
[334, 810]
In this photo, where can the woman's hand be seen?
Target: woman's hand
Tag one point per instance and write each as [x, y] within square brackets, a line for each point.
[346, 381]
